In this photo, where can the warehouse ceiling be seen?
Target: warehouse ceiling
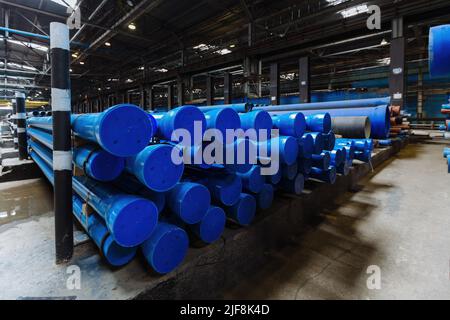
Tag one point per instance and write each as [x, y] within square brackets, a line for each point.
[125, 43]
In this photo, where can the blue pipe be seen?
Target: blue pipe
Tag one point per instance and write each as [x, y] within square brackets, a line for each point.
[345, 104]
[97, 163]
[330, 141]
[265, 198]
[189, 201]
[380, 118]
[328, 176]
[446, 152]
[364, 156]
[288, 149]
[439, 51]
[211, 227]
[123, 130]
[252, 181]
[290, 171]
[222, 119]
[25, 33]
[166, 248]
[238, 107]
[319, 142]
[224, 188]
[344, 168]
[183, 117]
[318, 122]
[243, 212]
[294, 186]
[321, 161]
[359, 145]
[257, 120]
[276, 178]
[306, 146]
[293, 124]
[337, 157]
[304, 165]
[115, 254]
[43, 137]
[130, 219]
[155, 168]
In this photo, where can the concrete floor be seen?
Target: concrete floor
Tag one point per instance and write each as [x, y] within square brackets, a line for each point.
[398, 221]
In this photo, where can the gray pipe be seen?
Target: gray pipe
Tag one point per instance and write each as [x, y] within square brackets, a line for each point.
[352, 127]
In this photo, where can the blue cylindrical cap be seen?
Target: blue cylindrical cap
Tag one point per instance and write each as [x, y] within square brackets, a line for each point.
[295, 186]
[241, 150]
[330, 141]
[115, 254]
[320, 122]
[290, 172]
[328, 176]
[243, 212]
[321, 161]
[337, 157]
[257, 120]
[223, 119]
[155, 168]
[265, 197]
[166, 248]
[439, 51]
[304, 165]
[319, 142]
[131, 220]
[189, 201]
[293, 124]
[306, 146]
[276, 178]
[289, 149]
[103, 166]
[225, 189]
[212, 225]
[124, 130]
[252, 181]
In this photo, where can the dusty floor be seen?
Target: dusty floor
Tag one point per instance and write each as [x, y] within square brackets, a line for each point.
[399, 221]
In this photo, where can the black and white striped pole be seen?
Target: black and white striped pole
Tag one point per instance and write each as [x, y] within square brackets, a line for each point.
[21, 119]
[62, 154]
[14, 123]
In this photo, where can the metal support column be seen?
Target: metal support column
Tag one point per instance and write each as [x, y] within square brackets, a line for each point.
[143, 102]
[275, 83]
[397, 83]
[170, 97]
[21, 119]
[14, 122]
[62, 154]
[304, 76]
[209, 90]
[180, 92]
[151, 98]
[228, 88]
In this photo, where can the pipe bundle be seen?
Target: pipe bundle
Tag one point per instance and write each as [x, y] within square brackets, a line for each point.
[141, 198]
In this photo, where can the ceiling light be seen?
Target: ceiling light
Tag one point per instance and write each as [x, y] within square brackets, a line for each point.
[108, 44]
[82, 63]
[141, 68]
[347, 13]
[232, 45]
[132, 26]
[223, 51]
[70, 70]
[74, 55]
[162, 70]
[384, 42]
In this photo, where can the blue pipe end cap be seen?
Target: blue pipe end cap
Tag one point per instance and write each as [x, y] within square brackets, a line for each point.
[131, 220]
[184, 117]
[223, 119]
[212, 225]
[265, 197]
[227, 190]
[105, 166]
[117, 255]
[276, 178]
[124, 130]
[289, 150]
[166, 249]
[258, 120]
[244, 211]
[253, 181]
[190, 201]
[290, 172]
[306, 146]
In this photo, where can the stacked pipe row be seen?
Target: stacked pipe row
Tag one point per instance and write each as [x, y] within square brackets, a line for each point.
[399, 124]
[142, 199]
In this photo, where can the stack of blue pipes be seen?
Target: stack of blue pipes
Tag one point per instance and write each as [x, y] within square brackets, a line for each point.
[131, 195]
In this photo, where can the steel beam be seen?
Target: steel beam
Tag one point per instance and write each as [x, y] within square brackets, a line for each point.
[275, 83]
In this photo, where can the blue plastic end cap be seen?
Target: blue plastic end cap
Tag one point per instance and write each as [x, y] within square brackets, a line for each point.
[223, 119]
[124, 130]
[230, 190]
[306, 146]
[319, 143]
[253, 180]
[167, 247]
[299, 124]
[160, 172]
[212, 226]
[276, 178]
[265, 198]
[131, 220]
[289, 150]
[186, 117]
[105, 166]
[193, 203]
[327, 123]
[291, 171]
[331, 141]
[117, 255]
[263, 121]
[244, 211]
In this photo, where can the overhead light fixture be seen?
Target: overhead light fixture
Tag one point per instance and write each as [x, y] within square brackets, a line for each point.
[384, 42]
[132, 26]
[82, 63]
[232, 45]
[141, 68]
[70, 70]
[351, 12]
[108, 44]
[74, 55]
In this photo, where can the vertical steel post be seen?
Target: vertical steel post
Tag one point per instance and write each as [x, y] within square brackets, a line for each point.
[275, 83]
[180, 91]
[14, 121]
[397, 78]
[170, 99]
[209, 91]
[227, 88]
[62, 154]
[21, 118]
[304, 80]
